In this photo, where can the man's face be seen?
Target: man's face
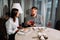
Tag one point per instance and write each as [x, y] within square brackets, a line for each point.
[34, 12]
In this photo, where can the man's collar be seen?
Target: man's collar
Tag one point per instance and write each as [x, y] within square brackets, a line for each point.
[33, 16]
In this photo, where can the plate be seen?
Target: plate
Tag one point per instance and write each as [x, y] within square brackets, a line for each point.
[24, 31]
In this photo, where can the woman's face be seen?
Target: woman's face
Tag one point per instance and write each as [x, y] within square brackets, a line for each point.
[17, 14]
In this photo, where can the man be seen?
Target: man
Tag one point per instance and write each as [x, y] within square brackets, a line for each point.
[33, 18]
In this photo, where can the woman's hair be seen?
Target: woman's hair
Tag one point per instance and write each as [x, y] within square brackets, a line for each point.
[14, 13]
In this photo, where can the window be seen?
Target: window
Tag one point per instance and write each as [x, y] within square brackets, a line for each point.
[37, 3]
[49, 0]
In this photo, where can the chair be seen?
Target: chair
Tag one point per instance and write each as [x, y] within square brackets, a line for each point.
[57, 25]
[3, 33]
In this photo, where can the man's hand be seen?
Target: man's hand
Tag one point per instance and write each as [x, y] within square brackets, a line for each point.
[31, 23]
[28, 23]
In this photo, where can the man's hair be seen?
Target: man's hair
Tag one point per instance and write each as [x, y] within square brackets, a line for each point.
[34, 8]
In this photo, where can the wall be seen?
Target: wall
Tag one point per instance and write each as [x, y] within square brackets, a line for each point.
[3, 7]
[0, 8]
[58, 11]
[27, 6]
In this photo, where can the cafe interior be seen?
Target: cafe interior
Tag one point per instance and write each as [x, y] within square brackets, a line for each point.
[48, 10]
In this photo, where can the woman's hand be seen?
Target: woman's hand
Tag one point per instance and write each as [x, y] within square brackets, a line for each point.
[16, 31]
[19, 27]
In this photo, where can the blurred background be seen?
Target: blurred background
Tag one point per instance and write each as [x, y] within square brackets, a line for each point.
[49, 10]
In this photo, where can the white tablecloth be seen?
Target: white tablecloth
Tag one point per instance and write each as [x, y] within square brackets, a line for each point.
[52, 35]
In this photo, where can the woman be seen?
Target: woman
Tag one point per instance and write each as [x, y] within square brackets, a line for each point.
[12, 24]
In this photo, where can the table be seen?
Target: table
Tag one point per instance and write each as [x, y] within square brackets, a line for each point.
[52, 35]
